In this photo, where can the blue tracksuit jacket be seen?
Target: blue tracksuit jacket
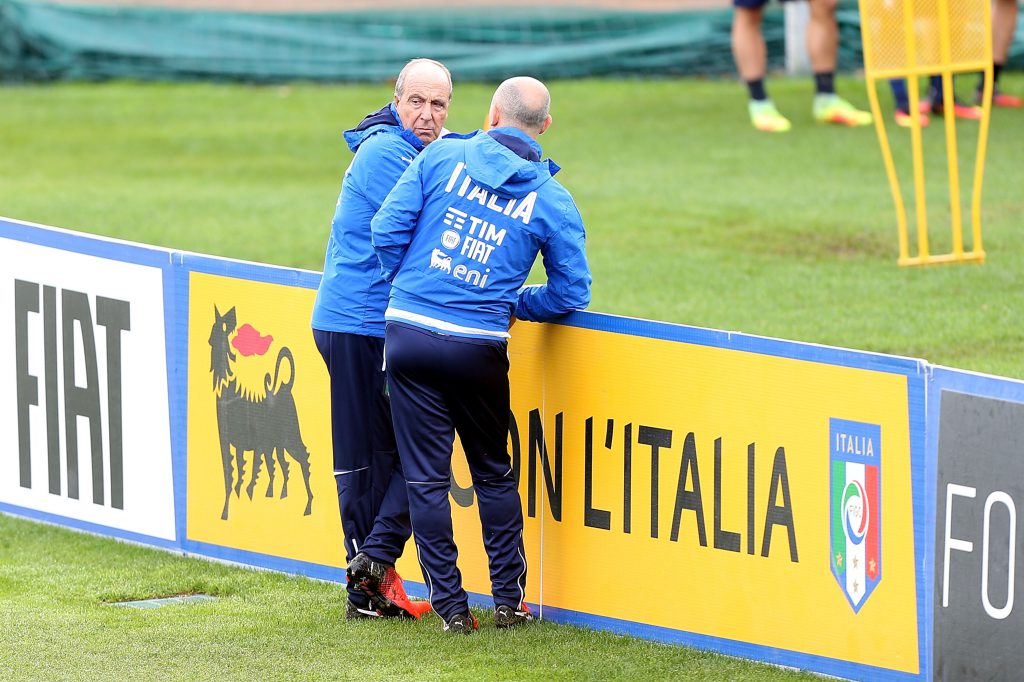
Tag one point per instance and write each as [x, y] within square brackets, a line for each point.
[352, 294]
[459, 233]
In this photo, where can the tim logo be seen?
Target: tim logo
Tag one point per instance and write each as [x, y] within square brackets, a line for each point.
[263, 422]
[855, 507]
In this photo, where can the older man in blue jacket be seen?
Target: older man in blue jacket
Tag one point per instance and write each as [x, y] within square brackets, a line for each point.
[456, 238]
[348, 326]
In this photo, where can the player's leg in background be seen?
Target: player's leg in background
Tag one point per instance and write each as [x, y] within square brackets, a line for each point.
[1004, 27]
[751, 55]
[935, 102]
[901, 104]
[822, 50]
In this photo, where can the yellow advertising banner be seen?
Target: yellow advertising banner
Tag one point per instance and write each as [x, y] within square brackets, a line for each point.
[691, 490]
[677, 485]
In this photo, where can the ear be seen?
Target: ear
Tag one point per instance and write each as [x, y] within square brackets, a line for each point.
[544, 126]
[493, 117]
[216, 311]
[230, 318]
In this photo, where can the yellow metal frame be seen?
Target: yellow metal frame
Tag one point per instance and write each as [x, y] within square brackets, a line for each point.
[873, 10]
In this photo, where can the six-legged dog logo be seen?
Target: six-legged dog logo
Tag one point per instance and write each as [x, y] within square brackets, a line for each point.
[265, 422]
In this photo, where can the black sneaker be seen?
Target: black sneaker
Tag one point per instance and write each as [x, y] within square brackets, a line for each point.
[462, 624]
[508, 617]
[366, 573]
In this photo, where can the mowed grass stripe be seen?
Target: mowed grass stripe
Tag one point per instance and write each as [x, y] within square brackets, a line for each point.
[692, 216]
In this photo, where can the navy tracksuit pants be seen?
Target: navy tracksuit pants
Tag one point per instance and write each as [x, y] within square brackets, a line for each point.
[371, 488]
[441, 385]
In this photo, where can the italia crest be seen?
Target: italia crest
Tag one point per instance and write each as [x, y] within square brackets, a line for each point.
[855, 465]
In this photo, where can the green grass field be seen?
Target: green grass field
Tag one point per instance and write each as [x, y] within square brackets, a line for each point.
[693, 217]
[57, 624]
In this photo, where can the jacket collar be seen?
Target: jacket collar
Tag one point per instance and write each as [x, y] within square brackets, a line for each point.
[384, 118]
[521, 144]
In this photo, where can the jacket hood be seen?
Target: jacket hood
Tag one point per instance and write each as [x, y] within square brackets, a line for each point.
[383, 119]
[507, 161]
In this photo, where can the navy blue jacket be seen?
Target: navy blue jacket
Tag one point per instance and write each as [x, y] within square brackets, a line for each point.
[459, 233]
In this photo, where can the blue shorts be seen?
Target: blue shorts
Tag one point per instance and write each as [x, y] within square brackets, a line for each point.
[752, 4]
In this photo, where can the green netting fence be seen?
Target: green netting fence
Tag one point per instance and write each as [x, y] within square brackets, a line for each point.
[48, 41]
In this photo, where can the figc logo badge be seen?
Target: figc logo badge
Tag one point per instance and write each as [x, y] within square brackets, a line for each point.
[855, 464]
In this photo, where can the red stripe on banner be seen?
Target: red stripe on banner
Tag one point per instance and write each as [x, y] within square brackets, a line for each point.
[873, 549]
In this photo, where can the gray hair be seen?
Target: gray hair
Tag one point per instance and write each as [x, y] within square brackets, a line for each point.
[413, 63]
[509, 99]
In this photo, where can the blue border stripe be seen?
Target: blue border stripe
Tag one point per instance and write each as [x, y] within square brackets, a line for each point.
[89, 245]
[762, 345]
[261, 560]
[986, 385]
[176, 303]
[729, 647]
[87, 526]
[923, 520]
[632, 326]
[309, 569]
[257, 272]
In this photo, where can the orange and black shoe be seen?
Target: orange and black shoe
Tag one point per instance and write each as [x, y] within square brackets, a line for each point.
[392, 592]
[933, 103]
[383, 586]
[960, 110]
[1000, 99]
[366, 573]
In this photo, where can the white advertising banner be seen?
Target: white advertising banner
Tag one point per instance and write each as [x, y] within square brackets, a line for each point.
[84, 425]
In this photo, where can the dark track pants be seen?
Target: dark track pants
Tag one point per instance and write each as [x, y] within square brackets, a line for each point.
[371, 488]
[441, 385]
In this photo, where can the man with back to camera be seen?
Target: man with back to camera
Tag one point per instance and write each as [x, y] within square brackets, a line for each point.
[348, 327]
[456, 238]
